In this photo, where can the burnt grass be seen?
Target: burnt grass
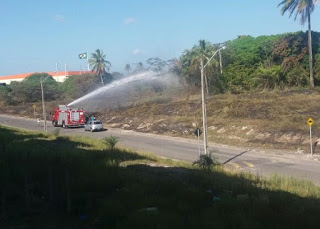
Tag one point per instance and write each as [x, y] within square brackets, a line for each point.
[62, 183]
[275, 119]
[270, 119]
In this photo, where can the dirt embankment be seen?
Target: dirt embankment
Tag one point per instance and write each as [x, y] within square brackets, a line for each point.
[269, 119]
[276, 120]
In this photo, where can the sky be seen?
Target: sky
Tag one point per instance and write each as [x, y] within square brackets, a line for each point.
[37, 34]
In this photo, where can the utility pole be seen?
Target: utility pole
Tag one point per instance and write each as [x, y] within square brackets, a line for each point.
[43, 108]
[220, 61]
[88, 61]
[204, 110]
[57, 75]
[206, 81]
[203, 85]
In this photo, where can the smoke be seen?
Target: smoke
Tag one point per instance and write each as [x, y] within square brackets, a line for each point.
[113, 87]
[126, 91]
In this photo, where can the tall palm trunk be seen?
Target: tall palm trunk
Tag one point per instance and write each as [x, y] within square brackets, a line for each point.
[310, 52]
[101, 77]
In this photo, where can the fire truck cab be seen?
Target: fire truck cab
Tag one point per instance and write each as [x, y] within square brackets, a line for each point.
[68, 117]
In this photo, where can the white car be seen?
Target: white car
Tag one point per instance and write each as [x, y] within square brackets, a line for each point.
[93, 125]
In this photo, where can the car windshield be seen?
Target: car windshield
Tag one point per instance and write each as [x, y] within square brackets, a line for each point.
[97, 123]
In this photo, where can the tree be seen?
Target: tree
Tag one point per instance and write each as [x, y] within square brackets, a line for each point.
[99, 64]
[29, 89]
[76, 86]
[304, 8]
[190, 62]
[156, 64]
[174, 66]
[127, 68]
[139, 68]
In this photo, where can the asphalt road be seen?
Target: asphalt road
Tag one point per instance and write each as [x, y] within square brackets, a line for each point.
[257, 161]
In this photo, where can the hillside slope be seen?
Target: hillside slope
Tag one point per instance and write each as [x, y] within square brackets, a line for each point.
[271, 119]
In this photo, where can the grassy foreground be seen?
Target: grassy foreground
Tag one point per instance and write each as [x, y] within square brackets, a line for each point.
[48, 181]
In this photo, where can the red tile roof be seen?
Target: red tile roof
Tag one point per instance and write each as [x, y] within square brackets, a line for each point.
[25, 75]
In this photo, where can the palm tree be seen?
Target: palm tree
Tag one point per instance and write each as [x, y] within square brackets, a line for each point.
[98, 64]
[304, 8]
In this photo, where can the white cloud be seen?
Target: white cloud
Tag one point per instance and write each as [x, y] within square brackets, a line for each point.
[59, 18]
[136, 52]
[129, 21]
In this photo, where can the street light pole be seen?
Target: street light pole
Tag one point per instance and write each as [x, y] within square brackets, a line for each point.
[203, 95]
[43, 108]
[204, 110]
[220, 62]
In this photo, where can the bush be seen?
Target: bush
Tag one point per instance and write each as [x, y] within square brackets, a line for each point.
[4, 94]
[207, 161]
[78, 85]
[111, 141]
[268, 78]
[56, 132]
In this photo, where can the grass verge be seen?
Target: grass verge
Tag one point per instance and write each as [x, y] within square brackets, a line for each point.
[49, 181]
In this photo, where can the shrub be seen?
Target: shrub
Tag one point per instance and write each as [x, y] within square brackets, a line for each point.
[111, 141]
[206, 161]
[56, 132]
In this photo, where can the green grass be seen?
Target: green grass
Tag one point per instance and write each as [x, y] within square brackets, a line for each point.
[49, 181]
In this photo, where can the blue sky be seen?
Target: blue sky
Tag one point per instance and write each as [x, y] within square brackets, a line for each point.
[35, 34]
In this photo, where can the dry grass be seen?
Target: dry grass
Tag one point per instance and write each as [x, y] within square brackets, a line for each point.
[268, 118]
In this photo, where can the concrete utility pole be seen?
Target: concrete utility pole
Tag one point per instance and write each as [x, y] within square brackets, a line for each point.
[204, 105]
[220, 61]
[204, 110]
[43, 108]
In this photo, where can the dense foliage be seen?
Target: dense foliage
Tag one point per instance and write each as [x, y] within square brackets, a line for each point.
[75, 86]
[275, 61]
[29, 90]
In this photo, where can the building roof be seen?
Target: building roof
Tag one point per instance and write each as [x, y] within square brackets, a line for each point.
[25, 75]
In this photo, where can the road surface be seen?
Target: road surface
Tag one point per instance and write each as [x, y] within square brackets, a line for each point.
[257, 161]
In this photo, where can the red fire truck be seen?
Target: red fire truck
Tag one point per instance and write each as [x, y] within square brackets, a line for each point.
[68, 117]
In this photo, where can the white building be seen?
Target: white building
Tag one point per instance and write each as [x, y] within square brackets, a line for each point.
[58, 76]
